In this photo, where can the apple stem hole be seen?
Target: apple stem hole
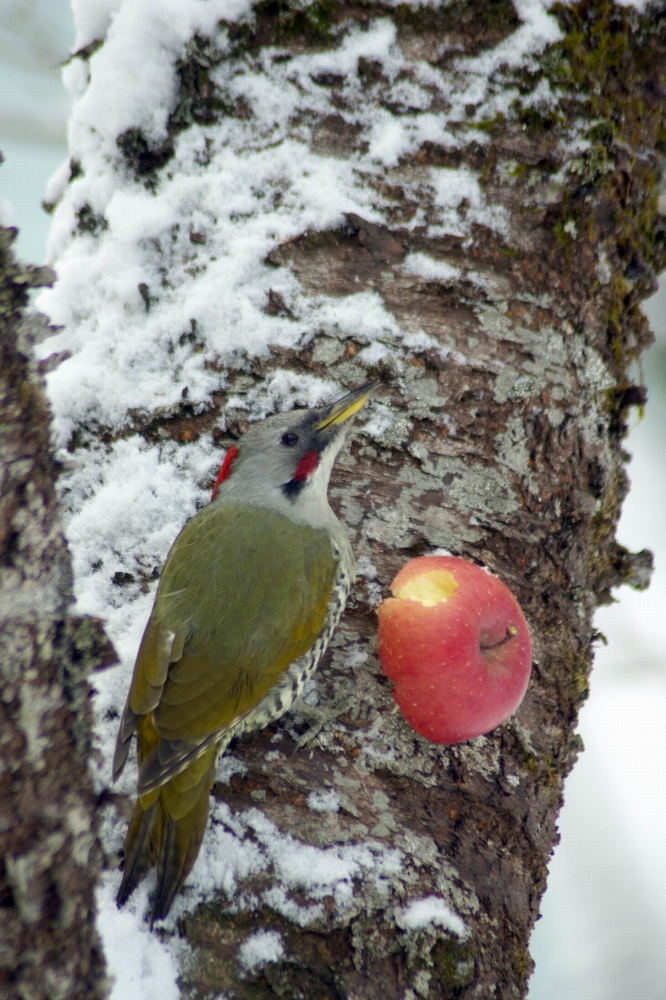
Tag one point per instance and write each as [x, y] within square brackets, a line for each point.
[511, 633]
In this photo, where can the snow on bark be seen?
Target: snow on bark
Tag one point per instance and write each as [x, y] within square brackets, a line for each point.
[267, 204]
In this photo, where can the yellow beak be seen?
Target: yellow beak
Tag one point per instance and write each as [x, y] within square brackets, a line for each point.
[350, 404]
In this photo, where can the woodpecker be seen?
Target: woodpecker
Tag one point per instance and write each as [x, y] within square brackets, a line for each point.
[250, 594]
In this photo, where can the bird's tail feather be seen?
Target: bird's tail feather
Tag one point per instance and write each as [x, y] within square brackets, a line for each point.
[166, 830]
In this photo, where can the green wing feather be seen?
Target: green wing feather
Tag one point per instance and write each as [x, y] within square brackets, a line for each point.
[243, 594]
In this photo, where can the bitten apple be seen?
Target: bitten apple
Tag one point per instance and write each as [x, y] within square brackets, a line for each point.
[456, 645]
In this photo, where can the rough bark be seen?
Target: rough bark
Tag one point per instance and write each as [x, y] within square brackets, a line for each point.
[530, 485]
[48, 828]
[507, 450]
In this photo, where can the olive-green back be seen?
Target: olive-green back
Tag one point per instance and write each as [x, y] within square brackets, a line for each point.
[244, 592]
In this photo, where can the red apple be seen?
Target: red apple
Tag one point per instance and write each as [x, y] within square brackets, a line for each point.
[456, 645]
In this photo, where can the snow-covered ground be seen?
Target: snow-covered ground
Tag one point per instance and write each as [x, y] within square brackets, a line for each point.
[604, 914]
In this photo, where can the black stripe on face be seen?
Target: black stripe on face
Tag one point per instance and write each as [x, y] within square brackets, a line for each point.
[293, 488]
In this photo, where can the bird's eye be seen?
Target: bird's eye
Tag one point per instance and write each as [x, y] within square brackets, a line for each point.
[289, 439]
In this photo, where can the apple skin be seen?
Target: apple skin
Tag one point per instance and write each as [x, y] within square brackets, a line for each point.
[448, 688]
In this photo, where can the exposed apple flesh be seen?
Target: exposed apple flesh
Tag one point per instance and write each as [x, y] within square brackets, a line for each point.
[455, 643]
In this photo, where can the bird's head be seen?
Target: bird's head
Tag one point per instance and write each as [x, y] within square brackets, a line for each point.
[284, 463]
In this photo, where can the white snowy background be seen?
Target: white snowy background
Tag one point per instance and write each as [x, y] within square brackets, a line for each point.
[604, 915]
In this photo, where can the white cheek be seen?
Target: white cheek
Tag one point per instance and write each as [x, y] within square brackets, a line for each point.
[322, 473]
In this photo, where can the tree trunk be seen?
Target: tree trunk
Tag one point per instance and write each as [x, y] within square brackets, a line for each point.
[48, 827]
[462, 201]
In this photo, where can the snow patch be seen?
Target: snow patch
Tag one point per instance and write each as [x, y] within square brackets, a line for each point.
[260, 949]
[92, 20]
[324, 801]
[429, 268]
[380, 422]
[365, 567]
[430, 910]
[139, 963]
[455, 188]
[538, 30]
[243, 844]
[228, 767]
[133, 347]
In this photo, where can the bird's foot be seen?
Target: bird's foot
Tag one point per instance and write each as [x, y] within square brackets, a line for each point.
[319, 717]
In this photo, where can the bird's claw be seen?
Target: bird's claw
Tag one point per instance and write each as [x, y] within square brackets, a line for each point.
[318, 717]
